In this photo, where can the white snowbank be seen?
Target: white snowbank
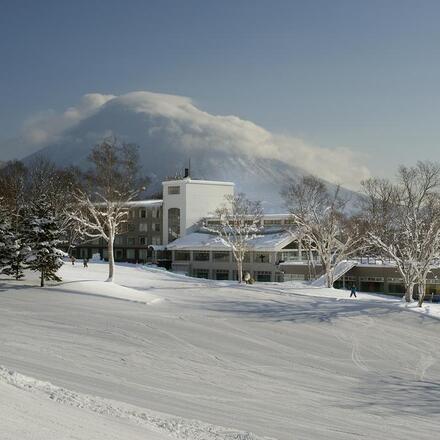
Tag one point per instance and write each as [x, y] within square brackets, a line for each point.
[427, 309]
[155, 423]
[110, 290]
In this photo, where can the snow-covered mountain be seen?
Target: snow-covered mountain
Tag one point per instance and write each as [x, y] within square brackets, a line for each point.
[171, 130]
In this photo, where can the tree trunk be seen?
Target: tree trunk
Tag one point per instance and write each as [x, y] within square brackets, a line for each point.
[329, 275]
[329, 280]
[240, 270]
[42, 278]
[409, 292]
[422, 292]
[111, 258]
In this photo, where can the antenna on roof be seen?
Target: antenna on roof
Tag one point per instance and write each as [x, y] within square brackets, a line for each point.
[188, 170]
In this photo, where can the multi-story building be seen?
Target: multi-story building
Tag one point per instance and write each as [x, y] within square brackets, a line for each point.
[169, 232]
[152, 224]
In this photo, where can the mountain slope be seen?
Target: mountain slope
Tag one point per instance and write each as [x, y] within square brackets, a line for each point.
[170, 131]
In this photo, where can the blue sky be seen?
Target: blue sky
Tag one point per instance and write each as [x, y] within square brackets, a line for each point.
[357, 74]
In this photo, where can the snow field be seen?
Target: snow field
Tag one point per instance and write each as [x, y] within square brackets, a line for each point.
[158, 426]
[280, 361]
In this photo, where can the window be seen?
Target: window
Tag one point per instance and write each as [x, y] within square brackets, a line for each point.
[182, 255]
[201, 273]
[143, 254]
[429, 281]
[272, 222]
[130, 227]
[201, 256]
[221, 256]
[372, 279]
[131, 241]
[119, 254]
[142, 241]
[156, 241]
[288, 256]
[173, 224]
[131, 254]
[221, 274]
[123, 228]
[155, 213]
[142, 213]
[156, 227]
[119, 241]
[174, 190]
[293, 277]
[399, 280]
[143, 227]
[263, 276]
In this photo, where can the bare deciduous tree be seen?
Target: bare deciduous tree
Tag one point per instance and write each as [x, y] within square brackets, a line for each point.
[318, 215]
[112, 183]
[403, 221]
[239, 222]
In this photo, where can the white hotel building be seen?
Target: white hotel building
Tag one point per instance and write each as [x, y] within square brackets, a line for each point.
[168, 232]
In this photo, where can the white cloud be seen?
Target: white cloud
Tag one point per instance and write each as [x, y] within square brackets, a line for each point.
[45, 127]
[196, 129]
[179, 122]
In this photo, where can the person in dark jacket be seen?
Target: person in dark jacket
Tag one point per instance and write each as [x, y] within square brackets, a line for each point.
[353, 291]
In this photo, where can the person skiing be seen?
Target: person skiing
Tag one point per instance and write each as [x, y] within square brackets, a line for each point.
[353, 291]
[86, 262]
[72, 259]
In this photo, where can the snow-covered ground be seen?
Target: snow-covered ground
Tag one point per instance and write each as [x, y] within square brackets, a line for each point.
[166, 356]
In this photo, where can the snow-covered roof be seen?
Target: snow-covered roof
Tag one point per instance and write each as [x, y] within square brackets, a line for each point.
[276, 216]
[157, 247]
[198, 241]
[196, 181]
[145, 203]
[202, 241]
[272, 242]
[283, 216]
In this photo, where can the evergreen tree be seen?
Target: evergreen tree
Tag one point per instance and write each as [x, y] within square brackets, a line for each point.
[19, 251]
[43, 234]
[6, 239]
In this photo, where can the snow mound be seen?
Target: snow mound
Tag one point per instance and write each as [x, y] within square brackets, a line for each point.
[109, 290]
[428, 309]
[176, 427]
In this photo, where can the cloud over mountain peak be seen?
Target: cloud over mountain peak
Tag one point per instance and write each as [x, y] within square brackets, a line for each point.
[174, 128]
